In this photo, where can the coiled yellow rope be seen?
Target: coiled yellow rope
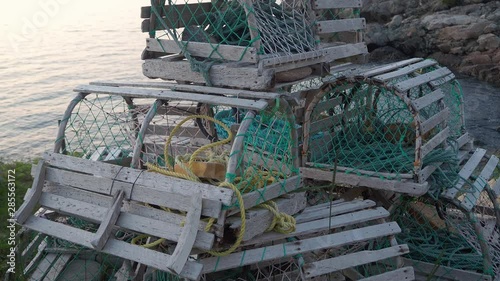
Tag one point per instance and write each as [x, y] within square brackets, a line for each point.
[282, 222]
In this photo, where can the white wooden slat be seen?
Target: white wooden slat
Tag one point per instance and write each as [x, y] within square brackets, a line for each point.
[82, 181]
[446, 272]
[422, 79]
[114, 247]
[35, 192]
[344, 51]
[191, 88]
[331, 26]
[389, 67]
[57, 267]
[107, 223]
[35, 243]
[333, 222]
[271, 191]
[43, 267]
[406, 187]
[401, 274]
[352, 260]
[428, 99]
[334, 210]
[188, 236]
[465, 173]
[404, 71]
[131, 221]
[435, 120]
[330, 121]
[359, 171]
[298, 247]
[439, 82]
[140, 193]
[173, 95]
[481, 181]
[205, 50]
[36, 258]
[336, 4]
[139, 177]
[435, 141]
[464, 139]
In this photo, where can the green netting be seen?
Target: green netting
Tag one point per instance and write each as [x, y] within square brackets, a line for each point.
[47, 258]
[369, 128]
[443, 237]
[101, 128]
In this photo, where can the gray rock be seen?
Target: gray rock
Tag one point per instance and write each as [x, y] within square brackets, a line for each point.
[438, 21]
[488, 42]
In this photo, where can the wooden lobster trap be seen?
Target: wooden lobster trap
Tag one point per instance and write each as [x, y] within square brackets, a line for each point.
[249, 44]
[163, 180]
[385, 128]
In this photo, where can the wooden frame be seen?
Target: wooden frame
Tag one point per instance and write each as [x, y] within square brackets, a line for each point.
[434, 126]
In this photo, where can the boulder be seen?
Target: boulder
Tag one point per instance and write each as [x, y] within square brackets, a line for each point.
[488, 42]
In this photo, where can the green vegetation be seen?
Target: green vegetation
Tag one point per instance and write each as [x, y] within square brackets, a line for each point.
[22, 181]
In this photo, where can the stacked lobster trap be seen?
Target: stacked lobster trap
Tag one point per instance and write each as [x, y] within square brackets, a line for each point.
[249, 44]
[263, 161]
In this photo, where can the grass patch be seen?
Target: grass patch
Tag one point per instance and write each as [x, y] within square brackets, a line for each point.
[23, 181]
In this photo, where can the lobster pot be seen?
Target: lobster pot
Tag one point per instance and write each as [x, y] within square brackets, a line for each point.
[267, 42]
[386, 124]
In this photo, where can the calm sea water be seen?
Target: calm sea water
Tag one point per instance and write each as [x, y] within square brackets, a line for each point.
[47, 47]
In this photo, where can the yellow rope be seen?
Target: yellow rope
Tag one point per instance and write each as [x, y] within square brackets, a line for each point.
[282, 222]
[136, 240]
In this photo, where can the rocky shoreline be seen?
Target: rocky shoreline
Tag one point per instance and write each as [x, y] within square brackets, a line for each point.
[463, 35]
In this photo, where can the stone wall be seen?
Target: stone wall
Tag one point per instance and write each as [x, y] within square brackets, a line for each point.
[461, 34]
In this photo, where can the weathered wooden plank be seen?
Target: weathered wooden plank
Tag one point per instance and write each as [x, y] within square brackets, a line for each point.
[344, 51]
[441, 81]
[463, 140]
[465, 173]
[173, 95]
[298, 247]
[404, 71]
[82, 181]
[191, 10]
[31, 199]
[336, 4]
[34, 244]
[480, 183]
[405, 273]
[272, 191]
[352, 260]
[445, 272]
[43, 267]
[34, 261]
[428, 99]
[133, 217]
[188, 236]
[221, 75]
[435, 141]
[258, 219]
[57, 267]
[362, 172]
[329, 223]
[422, 79]
[139, 177]
[205, 50]
[406, 187]
[341, 25]
[390, 67]
[331, 121]
[435, 120]
[327, 209]
[107, 223]
[114, 247]
[192, 88]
